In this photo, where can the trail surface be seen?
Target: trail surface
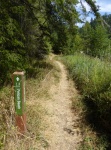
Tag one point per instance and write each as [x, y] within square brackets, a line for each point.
[62, 132]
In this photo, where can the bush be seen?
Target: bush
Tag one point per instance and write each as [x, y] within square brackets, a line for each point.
[93, 78]
[8, 64]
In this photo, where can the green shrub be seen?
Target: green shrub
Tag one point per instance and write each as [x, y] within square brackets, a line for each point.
[93, 78]
[9, 63]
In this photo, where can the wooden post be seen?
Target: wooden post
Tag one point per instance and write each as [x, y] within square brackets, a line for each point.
[19, 99]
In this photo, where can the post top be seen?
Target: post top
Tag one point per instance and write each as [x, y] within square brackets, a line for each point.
[19, 73]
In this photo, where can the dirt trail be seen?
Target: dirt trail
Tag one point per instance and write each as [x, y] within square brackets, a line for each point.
[62, 132]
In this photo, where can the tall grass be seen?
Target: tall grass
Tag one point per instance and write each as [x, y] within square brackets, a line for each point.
[93, 79]
[36, 91]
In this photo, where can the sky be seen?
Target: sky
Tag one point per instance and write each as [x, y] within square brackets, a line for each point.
[104, 6]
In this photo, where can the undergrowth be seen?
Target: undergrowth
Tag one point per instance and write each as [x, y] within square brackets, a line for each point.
[36, 73]
[93, 79]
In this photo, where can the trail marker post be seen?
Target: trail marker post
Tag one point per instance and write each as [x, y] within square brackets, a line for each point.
[19, 100]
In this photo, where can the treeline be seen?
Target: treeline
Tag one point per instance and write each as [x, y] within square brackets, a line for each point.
[94, 38]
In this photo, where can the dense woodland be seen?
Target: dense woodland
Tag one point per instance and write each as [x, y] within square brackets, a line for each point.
[31, 29]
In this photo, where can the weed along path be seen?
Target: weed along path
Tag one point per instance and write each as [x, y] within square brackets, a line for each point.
[62, 131]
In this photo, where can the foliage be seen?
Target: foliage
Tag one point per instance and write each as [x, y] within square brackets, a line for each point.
[94, 7]
[99, 42]
[93, 78]
[86, 32]
[61, 19]
[32, 28]
[107, 19]
[95, 39]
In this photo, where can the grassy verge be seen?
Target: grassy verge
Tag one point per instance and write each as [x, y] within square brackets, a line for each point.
[36, 93]
[93, 79]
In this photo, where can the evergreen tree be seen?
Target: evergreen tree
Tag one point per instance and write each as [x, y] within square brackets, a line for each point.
[62, 17]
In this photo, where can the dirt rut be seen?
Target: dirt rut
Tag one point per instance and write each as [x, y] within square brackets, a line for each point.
[63, 132]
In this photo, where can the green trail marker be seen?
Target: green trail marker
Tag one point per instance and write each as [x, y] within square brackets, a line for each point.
[19, 99]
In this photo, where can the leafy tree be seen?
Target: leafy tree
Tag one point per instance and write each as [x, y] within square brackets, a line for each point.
[107, 19]
[95, 39]
[99, 42]
[86, 34]
[78, 43]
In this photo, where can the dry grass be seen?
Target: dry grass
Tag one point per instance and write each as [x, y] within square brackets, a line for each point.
[36, 94]
[6, 115]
